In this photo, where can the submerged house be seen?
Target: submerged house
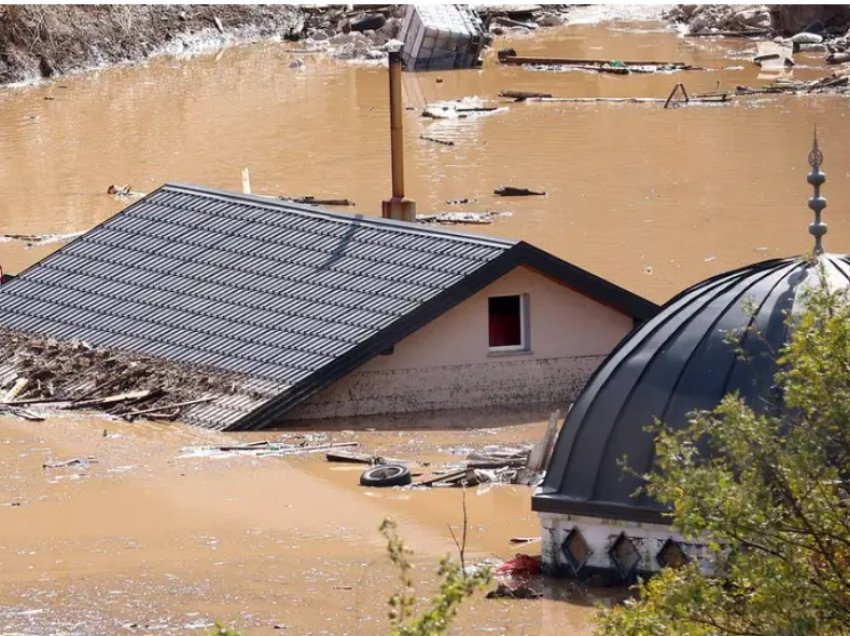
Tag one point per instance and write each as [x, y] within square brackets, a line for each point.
[322, 314]
[717, 337]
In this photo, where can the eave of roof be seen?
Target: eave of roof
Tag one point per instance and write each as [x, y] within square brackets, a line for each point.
[520, 254]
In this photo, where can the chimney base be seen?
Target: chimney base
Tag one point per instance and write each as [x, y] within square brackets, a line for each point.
[399, 208]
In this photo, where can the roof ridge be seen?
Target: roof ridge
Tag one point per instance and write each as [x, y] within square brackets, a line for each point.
[304, 209]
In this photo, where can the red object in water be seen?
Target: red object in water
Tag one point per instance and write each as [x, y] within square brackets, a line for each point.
[521, 564]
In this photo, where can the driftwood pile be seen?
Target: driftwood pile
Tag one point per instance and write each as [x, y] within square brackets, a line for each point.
[40, 371]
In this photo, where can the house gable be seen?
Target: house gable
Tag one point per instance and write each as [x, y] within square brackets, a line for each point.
[449, 360]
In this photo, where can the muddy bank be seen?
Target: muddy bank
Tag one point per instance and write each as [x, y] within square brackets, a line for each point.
[759, 20]
[38, 41]
[48, 40]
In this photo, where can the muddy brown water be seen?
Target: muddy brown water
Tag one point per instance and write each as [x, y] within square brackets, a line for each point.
[146, 542]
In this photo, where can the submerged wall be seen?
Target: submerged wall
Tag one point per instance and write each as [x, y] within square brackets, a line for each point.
[448, 365]
[601, 551]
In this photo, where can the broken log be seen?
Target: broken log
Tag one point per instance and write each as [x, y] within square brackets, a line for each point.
[437, 141]
[132, 396]
[167, 407]
[23, 413]
[311, 200]
[521, 96]
[511, 191]
[729, 34]
[838, 58]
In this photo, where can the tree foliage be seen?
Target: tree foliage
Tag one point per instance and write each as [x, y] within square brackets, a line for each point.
[455, 585]
[768, 493]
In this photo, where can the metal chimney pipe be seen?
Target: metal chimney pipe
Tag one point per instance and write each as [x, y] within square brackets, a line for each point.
[397, 207]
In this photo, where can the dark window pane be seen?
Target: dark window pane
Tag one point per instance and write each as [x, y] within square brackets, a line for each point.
[505, 327]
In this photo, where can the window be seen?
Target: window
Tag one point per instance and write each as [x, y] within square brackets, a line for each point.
[507, 323]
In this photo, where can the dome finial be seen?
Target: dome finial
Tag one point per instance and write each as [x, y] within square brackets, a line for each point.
[817, 203]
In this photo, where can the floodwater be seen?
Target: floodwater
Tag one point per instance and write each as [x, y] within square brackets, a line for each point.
[652, 199]
[145, 542]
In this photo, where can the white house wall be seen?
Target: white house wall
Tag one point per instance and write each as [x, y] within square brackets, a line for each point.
[447, 363]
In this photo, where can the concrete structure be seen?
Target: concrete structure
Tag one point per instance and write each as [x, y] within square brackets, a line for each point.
[718, 337]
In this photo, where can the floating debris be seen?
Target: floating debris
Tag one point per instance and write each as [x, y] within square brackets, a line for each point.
[311, 200]
[461, 218]
[37, 240]
[512, 191]
[263, 448]
[460, 109]
[123, 191]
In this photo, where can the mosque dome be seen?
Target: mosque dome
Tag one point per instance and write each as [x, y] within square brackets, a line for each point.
[718, 337]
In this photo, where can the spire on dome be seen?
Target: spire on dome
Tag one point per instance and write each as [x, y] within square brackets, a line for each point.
[817, 203]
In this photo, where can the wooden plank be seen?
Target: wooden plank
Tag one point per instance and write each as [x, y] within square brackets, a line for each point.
[350, 458]
[570, 61]
[168, 407]
[445, 477]
[17, 389]
[112, 399]
[541, 451]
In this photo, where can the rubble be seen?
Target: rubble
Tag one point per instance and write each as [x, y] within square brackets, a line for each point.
[40, 370]
[496, 465]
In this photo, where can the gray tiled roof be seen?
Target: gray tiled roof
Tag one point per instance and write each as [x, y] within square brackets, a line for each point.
[288, 295]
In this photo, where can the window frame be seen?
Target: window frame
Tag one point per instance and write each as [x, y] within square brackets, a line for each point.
[525, 341]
